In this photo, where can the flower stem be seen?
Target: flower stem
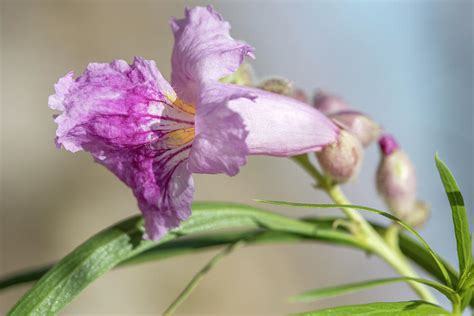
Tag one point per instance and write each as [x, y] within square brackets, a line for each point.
[365, 232]
[199, 276]
[391, 236]
[457, 308]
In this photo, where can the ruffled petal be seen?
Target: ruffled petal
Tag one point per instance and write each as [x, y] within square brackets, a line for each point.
[56, 101]
[219, 145]
[161, 183]
[172, 205]
[203, 51]
[129, 119]
[114, 103]
[232, 122]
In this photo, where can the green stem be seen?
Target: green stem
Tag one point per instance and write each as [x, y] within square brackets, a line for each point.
[365, 231]
[457, 309]
[199, 276]
[380, 247]
[391, 236]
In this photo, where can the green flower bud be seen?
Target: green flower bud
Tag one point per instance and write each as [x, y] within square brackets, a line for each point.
[243, 76]
[342, 160]
[277, 85]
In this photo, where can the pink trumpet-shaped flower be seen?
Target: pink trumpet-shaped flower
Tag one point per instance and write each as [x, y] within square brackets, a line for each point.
[154, 135]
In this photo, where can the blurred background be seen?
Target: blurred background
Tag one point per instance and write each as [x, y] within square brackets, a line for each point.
[406, 63]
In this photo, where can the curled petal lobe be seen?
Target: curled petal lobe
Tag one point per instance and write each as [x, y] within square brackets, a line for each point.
[203, 51]
[129, 119]
[220, 143]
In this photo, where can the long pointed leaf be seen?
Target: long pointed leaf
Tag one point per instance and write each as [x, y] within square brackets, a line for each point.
[358, 286]
[87, 262]
[170, 249]
[198, 277]
[414, 308]
[459, 214]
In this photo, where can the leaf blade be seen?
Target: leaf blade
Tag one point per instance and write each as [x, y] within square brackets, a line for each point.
[316, 294]
[198, 243]
[459, 215]
[80, 267]
[382, 309]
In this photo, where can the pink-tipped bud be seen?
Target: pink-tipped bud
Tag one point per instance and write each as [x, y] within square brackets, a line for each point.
[329, 104]
[358, 124]
[396, 179]
[342, 160]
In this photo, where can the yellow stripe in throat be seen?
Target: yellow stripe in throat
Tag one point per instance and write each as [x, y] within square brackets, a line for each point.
[179, 137]
[179, 104]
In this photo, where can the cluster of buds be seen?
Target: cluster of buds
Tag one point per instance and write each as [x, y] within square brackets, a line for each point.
[357, 123]
[342, 160]
[396, 183]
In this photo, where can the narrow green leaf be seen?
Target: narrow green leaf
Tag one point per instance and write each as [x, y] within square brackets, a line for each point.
[183, 246]
[87, 262]
[199, 277]
[459, 214]
[466, 298]
[123, 241]
[358, 286]
[23, 276]
[382, 309]
[166, 250]
[440, 264]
